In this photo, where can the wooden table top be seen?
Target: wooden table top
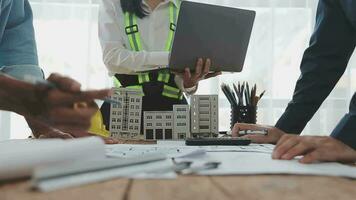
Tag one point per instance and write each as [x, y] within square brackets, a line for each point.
[265, 187]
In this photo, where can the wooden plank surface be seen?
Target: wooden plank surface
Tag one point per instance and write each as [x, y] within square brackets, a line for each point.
[109, 190]
[287, 187]
[196, 188]
[192, 188]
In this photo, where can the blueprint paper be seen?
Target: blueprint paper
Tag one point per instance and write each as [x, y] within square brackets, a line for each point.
[178, 149]
[247, 163]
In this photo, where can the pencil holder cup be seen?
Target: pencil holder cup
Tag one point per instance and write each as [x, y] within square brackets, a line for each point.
[243, 114]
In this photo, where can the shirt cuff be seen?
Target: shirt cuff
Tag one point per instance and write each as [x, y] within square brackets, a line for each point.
[345, 130]
[23, 72]
[180, 84]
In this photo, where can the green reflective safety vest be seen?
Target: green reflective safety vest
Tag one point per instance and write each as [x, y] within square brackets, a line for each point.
[170, 90]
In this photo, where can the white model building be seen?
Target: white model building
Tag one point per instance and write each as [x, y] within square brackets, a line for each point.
[204, 115]
[167, 125]
[158, 125]
[181, 122]
[125, 119]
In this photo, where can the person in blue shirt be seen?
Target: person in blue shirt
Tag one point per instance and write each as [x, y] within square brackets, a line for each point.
[18, 52]
[323, 64]
[50, 114]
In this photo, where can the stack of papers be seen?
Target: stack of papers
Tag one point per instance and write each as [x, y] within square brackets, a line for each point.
[18, 158]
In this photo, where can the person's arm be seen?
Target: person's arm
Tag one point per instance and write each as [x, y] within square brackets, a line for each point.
[323, 64]
[9, 102]
[18, 53]
[345, 131]
[116, 56]
[53, 107]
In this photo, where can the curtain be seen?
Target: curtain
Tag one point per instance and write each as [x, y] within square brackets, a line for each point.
[66, 32]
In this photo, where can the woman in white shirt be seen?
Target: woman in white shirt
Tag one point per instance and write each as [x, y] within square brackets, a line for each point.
[136, 38]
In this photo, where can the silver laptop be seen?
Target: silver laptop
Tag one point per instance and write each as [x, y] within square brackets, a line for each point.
[209, 31]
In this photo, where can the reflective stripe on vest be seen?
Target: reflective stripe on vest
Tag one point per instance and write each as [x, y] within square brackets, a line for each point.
[163, 76]
[143, 78]
[171, 92]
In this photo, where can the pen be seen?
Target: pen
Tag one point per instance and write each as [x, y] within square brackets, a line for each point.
[261, 95]
[253, 132]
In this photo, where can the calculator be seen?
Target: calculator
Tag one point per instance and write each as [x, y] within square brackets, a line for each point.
[217, 142]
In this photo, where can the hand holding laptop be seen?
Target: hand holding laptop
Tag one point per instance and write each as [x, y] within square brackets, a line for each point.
[202, 71]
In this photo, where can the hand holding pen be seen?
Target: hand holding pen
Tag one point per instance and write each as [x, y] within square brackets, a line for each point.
[58, 106]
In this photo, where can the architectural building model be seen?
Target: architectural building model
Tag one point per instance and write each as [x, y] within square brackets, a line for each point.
[181, 122]
[204, 115]
[200, 119]
[158, 125]
[167, 125]
[125, 119]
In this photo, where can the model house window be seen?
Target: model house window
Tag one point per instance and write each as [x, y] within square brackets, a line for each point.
[113, 126]
[181, 124]
[149, 124]
[149, 117]
[136, 121]
[138, 100]
[131, 120]
[137, 114]
[168, 134]
[132, 107]
[203, 127]
[159, 134]
[132, 100]
[168, 117]
[168, 124]
[182, 136]
[159, 117]
[132, 114]
[158, 124]
[137, 107]
[114, 112]
[149, 134]
[118, 120]
[113, 120]
[131, 128]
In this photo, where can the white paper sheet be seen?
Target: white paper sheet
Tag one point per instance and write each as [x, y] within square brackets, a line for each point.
[248, 163]
[19, 157]
[153, 170]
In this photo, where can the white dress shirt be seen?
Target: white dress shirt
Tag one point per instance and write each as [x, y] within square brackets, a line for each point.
[154, 28]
